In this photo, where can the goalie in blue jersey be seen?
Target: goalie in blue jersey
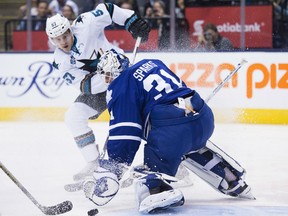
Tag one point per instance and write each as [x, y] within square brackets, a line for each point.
[147, 101]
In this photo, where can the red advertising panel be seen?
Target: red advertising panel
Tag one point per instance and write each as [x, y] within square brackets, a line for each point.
[120, 38]
[125, 41]
[258, 24]
[39, 41]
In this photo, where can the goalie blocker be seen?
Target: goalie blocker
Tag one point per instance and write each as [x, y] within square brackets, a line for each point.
[219, 170]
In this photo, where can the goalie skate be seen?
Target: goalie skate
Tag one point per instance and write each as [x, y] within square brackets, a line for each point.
[154, 193]
[161, 201]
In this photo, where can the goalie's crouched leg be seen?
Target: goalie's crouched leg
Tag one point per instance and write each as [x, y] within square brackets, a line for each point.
[219, 170]
[101, 187]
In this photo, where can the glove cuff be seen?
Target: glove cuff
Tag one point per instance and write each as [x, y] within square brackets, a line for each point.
[130, 20]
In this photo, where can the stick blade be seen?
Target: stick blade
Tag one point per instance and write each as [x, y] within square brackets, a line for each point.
[243, 61]
[60, 208]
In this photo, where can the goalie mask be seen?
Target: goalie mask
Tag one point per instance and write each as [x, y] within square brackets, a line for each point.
[111, 64]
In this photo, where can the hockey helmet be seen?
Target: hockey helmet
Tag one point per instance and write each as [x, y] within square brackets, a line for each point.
[111, 64]
[57, 25]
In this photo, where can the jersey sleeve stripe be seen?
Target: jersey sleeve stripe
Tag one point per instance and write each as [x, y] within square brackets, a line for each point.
[110, 8]
[124, 137]
[125, 124]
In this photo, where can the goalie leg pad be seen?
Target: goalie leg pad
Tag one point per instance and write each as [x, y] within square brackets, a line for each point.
[219, 170]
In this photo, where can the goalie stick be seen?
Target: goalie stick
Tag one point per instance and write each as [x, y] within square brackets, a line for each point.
[47, 210]
[227, 78]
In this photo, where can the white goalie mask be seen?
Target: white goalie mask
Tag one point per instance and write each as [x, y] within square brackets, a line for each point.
[111, 64]
[57, 25]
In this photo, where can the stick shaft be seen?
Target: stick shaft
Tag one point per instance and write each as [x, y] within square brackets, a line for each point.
[227, 78]
[24, 190]
[50, 210]
[137, 44]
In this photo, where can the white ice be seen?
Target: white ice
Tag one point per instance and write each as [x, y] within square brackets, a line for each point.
[43, 157]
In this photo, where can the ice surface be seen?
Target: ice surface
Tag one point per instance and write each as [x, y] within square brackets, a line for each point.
[43, 156]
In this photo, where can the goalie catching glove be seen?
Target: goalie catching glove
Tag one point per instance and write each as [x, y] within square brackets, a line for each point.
[138, 27]
[103, 185]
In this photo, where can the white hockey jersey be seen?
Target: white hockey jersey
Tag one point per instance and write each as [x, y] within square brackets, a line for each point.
[89, 38]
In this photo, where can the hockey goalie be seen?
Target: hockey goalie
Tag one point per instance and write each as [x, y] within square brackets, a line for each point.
[148, 101]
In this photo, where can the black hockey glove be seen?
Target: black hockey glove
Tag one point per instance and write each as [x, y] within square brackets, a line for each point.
[138, 27]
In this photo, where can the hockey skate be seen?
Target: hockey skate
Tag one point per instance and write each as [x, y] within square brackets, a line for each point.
[155, 194]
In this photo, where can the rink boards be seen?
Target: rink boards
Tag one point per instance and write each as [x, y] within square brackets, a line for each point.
[258, 93]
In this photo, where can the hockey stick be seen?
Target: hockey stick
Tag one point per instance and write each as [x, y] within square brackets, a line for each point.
[227, 78]
[51, 210]
[127, 182]
[137, 44]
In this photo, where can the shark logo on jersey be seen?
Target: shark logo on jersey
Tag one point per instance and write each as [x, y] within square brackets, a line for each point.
[79, 19]
[89, 65]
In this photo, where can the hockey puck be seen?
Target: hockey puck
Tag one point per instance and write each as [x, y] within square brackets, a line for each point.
[93, 212]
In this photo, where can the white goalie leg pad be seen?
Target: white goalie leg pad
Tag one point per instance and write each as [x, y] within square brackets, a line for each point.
[219, 170]
[233, 163]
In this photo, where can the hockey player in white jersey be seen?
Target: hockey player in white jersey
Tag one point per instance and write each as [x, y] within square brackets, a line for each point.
[75, 58]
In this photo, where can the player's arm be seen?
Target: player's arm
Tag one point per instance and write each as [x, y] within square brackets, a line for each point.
[85, 81]
[137, 26]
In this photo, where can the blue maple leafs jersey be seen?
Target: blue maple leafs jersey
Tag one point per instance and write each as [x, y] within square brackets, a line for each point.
[130, 98]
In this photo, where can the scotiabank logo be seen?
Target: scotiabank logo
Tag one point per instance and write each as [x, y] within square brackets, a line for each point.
[228, 27]
[236, 27]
